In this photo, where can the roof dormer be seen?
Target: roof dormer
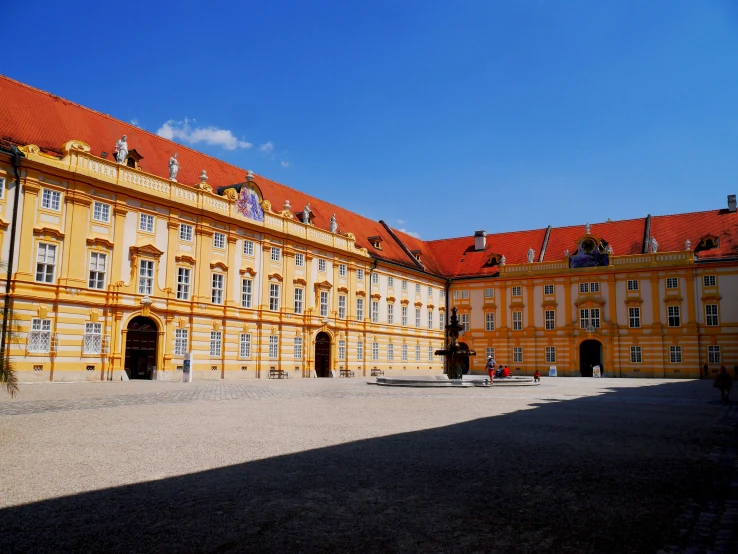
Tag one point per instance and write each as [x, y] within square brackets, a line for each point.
[416, 254]
[376, 242]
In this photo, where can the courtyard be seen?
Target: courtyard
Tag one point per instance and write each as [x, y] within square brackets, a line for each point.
[327, 465]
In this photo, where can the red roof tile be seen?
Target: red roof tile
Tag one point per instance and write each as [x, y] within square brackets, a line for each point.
[671, 232]
[625, 237]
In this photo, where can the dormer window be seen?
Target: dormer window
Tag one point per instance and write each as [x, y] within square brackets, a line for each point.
[416, 253]
[133, 159]
[376, 242]
[708, 242]
[493, 260]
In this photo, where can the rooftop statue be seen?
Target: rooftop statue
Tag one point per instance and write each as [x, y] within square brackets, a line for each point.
[173, 167]
[587, 228]
[531, 255]
[334, 225]
[121, 150]
[609, 250]
[566, 253]
[503, 260]
[654, 245]
[306, 214]
[688, 244]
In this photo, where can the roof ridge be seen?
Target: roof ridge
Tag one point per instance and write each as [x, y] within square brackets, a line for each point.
[488, 234]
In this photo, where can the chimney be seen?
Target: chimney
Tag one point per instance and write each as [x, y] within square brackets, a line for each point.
[480, 237]
[731, 202]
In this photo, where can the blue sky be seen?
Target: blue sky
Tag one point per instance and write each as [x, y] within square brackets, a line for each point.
[438, 117]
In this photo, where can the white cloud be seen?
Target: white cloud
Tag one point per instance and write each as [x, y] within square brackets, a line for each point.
[411, 233]
[400, 221]
[183, 131]
[267, 147]
[284, 163]
[135, 122]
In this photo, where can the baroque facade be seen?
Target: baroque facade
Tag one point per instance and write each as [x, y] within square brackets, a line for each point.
[117, 268]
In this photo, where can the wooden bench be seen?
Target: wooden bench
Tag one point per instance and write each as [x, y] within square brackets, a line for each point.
[376, 372]
[278, 373]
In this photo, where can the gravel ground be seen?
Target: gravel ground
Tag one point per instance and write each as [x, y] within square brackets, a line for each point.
[574, 465]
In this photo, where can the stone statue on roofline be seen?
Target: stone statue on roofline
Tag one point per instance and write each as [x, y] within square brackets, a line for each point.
[121, 150]
[688, 244]
[566, 253]
[609, 250]
[587, 228]
[306, 214]
[503, 260]
[654, 245]
[334, 225]
[531, 255]
[173, 167]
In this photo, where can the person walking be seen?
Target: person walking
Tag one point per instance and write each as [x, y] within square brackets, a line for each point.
[537, 376]
[724, 382]
[706, 372]
[491, 369]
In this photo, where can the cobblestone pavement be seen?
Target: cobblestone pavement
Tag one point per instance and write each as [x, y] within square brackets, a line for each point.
[574, 466]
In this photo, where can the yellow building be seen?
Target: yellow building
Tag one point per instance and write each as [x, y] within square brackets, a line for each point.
[119, 266]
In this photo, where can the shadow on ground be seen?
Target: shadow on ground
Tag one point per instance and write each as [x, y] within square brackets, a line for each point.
[598, 474]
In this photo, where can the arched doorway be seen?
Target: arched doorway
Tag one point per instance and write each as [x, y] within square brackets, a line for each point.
[464, 359]
[141, 348]
[323, 355]
[590, 355]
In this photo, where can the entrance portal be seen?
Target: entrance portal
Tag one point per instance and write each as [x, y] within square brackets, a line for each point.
[141, 348]
[590, 355]
[323, 355]
[464, 359]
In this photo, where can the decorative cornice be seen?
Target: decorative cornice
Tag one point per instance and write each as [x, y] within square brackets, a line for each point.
[714, 297]
[184, 258]
[634, 300]
[342, 289]
[146, 250]
[276, 276]
[549, 303]
[3, 223]
[431, 306]
[590, 299]
[404, 302]
[673, 299]
[249, 270]
[418, 304]
[360, 293]
[391, 299]
[323, 285]
[220, 265]
[49, 231]
[300, 281]
[376, 296]
[101, 241]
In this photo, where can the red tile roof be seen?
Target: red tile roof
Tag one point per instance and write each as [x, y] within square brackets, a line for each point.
[625, 237]
[671, 232]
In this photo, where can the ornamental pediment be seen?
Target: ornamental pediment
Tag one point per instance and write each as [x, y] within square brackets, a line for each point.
[323, 285]
[148, 250]
[49, 231]
[299, 281]
[184, 258]
[100, 241]
[342, 289]
[276, 277]
[219, 265]
[590, 299]
[404, 302]
[391, 299]
[247, 270]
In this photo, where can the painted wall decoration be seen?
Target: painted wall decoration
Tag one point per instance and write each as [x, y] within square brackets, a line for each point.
[590, 253]
[249, 204]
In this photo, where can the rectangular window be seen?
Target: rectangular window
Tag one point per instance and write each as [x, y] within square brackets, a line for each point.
[247, 287]
[2, 188]
[517, 291]
[323, 303]
[711, 315]
[550, 354]
[321, 265]
[404, 316]
[98, 261]
[430, 318]
[244, 345]
[298, 301]
[634, 317]
[359, 274]
[441, 320]
[93, 338]
[517, 321]
[632, 284]
[248, 248]
[583, 287]
[713, 354]
[45, 262]
[442, 294]
[709, 280]
[675, 354]
[548, 290]
[550, 320]
[146, 277]
[417, 317]
[464, 294]
[299, 260]
[216, 295]
[274, 297]
[636, 355]
[390, 352]
[489, 321]
[465, 321]
[375, 351]
[404, 352]
[457, 294]
[674, 319]
[417, 288]
[360, 309]
[430, 293]
[39, 339]
[404, 285]
[341, 349]
[489, 351]
[51, 200]
[183, 283]
[180, 342]
[375, 312]
[342, 270]
[273, 346]
[517, 354]
[146, 223]
[390, 314]
[219, 241]
[216, 341]
[430, 353]
[594, 287]
[489, 293]
[390, 282]
[360, 351]
[594, 315]
[375, 278]
[101, 212]
[276, 254]
[672, 283]
[417, 352]
[185, 232]
[341, 307]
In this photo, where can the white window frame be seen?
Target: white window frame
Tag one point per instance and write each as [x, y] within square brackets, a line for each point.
[375, 351]
[216, 343]
[430, 293]
[548, 290]
[672, 282]
[92, 340]
[297, 353]
[299, 260]
[2, 188]
[247, 293]
[583, 288]
[517, 318]
[489, 321]
[712, 315]
[713, 354]
[275, 254]
[184, 281]
[430, 318]
[390, 352]
[489, 351]
[403, 320]
[359, 274]
[404, 285]
[51, 200]
[322, 265]
[594, 286]
[390, 282]
[517, 291]
[634, 318]
[248, 248]
[517, 354]
[274, 297]
[97, 270]
[465, 294]
[46, 257]
[404, 352]
[417, 353]
[636, 355]
[633, 284]
[146, 223]
[101, 212]
[674, 316]
[550, 317]
[390, 313]
[375, 311]
[39, 337]
[181, 339]
[417, 288]
[244, 346]
[299, 300]
[430, 352]
[360, 309]
[465, 322]
[323, 303]
[342, 306]
[675, 354]
[146, 272]
[219, 240]
[342, 270]
[273, 347]
[489, 293]
[360, 351]
[375, 278]
[185, 232]
[417, 317]
[217, 287]
[550, 354]
[709, 281]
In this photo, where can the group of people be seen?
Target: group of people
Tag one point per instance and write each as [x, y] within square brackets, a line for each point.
[503, 371]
